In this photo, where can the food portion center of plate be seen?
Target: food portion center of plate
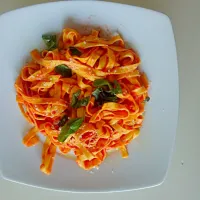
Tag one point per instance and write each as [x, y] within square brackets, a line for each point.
[85, 94]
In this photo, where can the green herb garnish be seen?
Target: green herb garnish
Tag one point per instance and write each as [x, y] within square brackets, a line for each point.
[74, 51]
[75, 97]
[50, 41]
[106, 96]
[111, 98]
[69, 128]
[147, 99]
[62, 121]
[106, 91]
[63, 70]
[82, 102]
[102, 82]
[117, 89]
[76, 103]
[96, 92]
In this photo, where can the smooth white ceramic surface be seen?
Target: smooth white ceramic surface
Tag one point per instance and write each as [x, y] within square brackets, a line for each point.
[150, 33]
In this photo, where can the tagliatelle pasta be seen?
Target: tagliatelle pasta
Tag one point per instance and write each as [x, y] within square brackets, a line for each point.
[85, 94]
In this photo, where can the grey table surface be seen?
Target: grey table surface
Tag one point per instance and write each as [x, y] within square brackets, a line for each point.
[183, 180]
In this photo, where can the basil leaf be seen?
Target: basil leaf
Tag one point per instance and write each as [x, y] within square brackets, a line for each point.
[107, 96]
[63, 70]
[75, 123]
[102, 82]
[69, 128]
[82, 102]
[74, 51]
[110, 99]
[62, 121]
[75, 97]
[96, 93]
[76, 103]
[50, 41]
[117, 89]
[147, 99]
[102, 96]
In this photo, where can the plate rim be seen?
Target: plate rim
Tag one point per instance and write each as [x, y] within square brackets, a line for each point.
[177, 111]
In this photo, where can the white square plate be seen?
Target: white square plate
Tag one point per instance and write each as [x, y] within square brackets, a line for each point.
[150, 33]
